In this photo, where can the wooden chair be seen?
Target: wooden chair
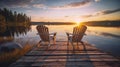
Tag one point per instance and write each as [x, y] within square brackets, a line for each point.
[44, 34]
[77, 34]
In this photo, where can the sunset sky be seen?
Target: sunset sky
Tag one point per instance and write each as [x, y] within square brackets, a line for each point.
[65, 10]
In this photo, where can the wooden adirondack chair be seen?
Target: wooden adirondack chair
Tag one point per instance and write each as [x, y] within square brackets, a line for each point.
[77, 34]
[45, 35]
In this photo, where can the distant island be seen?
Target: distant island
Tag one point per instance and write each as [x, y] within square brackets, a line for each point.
[103, 23]
[52, 23]
[89, 23]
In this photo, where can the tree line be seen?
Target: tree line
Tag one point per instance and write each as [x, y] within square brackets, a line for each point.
[7, 17]
[115, 23]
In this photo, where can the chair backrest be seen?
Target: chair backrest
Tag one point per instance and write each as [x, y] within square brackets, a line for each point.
[43, 32]
[78, 33]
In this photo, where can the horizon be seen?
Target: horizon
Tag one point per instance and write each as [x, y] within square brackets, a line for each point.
[75, 22]
[66, 10]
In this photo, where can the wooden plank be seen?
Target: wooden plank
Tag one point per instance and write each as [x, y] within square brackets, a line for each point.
[63, 55]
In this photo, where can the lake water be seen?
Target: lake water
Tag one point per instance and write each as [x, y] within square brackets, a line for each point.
[104, 38]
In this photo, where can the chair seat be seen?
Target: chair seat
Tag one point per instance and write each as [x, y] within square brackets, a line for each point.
[78, 33]
[45, 35]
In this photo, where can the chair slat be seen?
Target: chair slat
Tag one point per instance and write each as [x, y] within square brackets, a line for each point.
[43, 32]
[78, 33]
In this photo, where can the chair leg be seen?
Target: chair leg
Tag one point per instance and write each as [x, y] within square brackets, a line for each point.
[39, 43]
[83, 45]
[49, 44]
[54, 40]
[73, 46]
[77, 43]
[68, 42]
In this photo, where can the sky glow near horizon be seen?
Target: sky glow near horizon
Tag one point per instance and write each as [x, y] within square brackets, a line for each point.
[65, 10]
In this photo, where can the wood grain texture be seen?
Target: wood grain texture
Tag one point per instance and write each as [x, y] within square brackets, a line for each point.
[63, 55]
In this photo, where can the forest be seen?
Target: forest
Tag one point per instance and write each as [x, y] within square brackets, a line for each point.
[8, 17]
[12, 23]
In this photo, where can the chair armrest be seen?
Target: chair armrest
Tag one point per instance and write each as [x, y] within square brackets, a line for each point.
[85, 34]
[69, 34]
[53, 33]
[37, 33]
[81, 34]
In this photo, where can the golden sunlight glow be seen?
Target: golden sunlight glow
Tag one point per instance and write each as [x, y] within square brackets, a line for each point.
[77, 21]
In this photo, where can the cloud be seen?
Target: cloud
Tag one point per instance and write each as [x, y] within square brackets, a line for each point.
[21, 3]
[104, 12]
[66, 16]
[97, 0]
[86, 16]
[39, 5]
[74, 4]
[78, 4]
[107, 12]
[14, 3]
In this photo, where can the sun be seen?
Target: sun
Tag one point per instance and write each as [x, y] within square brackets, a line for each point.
[77, 21]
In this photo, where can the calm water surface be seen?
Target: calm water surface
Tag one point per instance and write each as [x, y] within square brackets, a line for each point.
[104, 38]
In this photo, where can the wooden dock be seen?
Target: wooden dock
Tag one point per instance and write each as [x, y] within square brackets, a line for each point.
[63, 55]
